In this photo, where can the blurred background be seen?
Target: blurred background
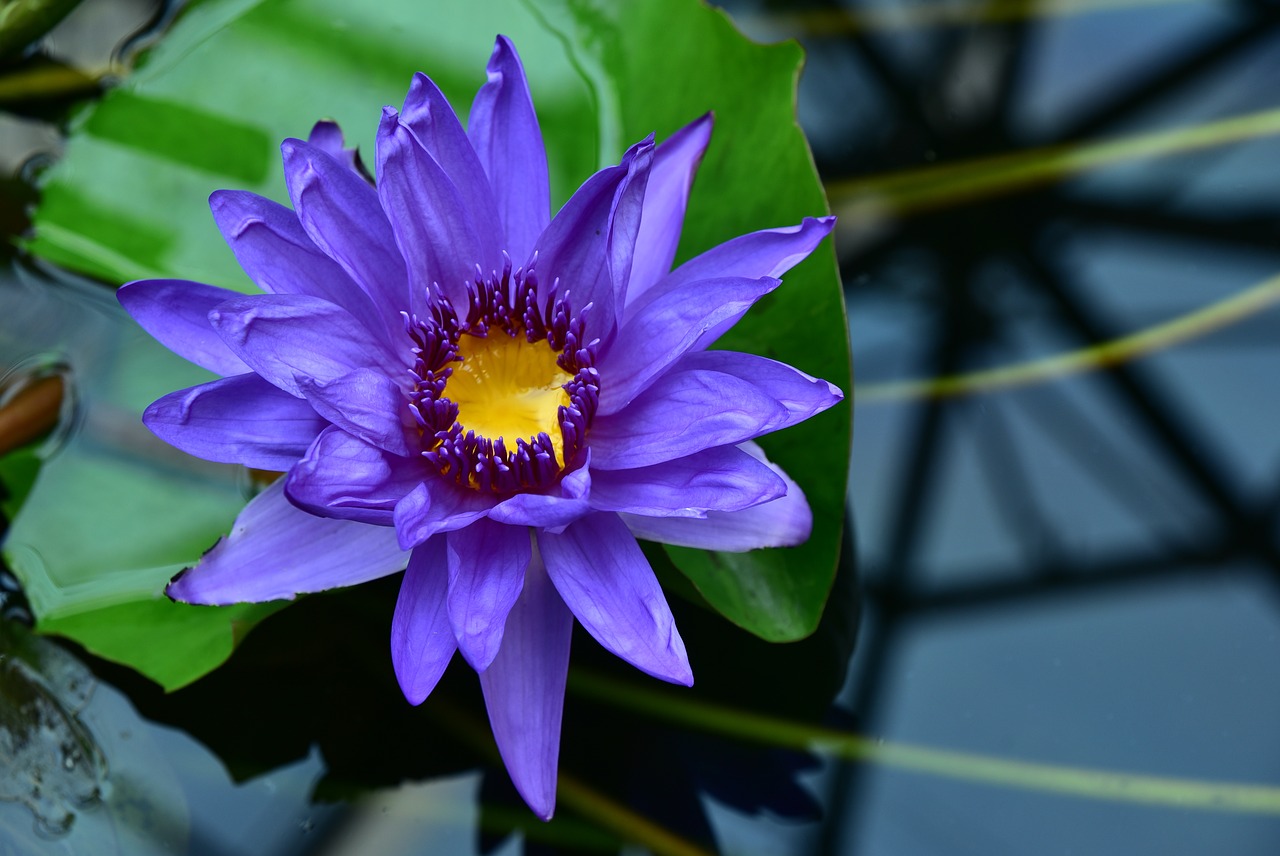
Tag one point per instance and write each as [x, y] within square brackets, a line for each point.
[1059, 242]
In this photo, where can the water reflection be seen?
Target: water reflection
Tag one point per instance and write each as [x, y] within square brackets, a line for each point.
[1080, 572]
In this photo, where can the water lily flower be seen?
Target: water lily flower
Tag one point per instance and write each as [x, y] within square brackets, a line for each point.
[454, 381]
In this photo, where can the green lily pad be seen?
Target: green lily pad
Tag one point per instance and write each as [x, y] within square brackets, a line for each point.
[207, 109]
[654, 66]
[103, 514]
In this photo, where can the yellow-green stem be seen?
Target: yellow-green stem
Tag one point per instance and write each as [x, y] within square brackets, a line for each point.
[1075, 781]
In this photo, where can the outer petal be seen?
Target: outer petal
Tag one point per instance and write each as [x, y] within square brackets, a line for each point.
[665, 199]
[341, 214]
[274, 250]
[771, 252]
[487, 563]
[285, 337]
[365, 403]
[802, 396]
[652, 339]
[433, 221]
[579, 247]
[176, 313]
[275, 551]
[421, 639]
[722, 479]
[343, 476]
[436, 506]
[524, 689]
[784, 522]
[504, 131]
[606, 581]
[236, 420]
[684, 412]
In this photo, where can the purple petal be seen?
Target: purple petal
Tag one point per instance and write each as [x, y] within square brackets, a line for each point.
[236, 420]
[365, 403]
[524, 689]
[665, 329]
[784, 522]
[802, 396]
[434, 222]
[341, 214]
[430, 118]
[176, 313]
[276, 551]
[487, 562]
[721, 479]
[327, 136]
[552, 512]
[682, 413]
[274, 250]
[421, 639]
[436, 506]
[504, 131]
[342, 476]
[667, 195]
[285, 337]
[770, 253]
[624, 220]
[606, 581]
[579, 246]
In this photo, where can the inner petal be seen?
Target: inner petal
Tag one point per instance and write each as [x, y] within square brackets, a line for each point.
[509, 388]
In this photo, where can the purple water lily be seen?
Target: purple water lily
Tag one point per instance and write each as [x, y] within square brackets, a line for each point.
[503, 401]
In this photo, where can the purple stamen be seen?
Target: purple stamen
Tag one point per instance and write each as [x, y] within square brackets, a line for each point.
[505, 300]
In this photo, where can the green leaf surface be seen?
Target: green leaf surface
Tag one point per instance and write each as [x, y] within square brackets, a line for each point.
[654, 66]
[207, 109]
[101, 521]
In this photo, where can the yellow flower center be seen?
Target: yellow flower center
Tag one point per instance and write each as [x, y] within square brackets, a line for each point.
[506, 387]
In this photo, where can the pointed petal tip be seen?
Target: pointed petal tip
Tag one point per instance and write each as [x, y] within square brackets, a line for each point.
[504, 54]
[414, 695]
[189, 586]
[218, 199]
[676, 670]
[544, 810]
[536, 790]
[174, 588]
[291, 147]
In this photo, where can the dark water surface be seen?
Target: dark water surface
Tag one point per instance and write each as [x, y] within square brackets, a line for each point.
[1073, 565]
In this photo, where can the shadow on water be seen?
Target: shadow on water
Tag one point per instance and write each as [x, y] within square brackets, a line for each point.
[1081, 571]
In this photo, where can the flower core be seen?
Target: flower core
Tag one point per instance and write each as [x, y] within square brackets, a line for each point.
[508, 388]
[503, 399]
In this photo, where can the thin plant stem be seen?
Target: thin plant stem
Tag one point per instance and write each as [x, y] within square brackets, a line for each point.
[965, 766]
[1184, 328]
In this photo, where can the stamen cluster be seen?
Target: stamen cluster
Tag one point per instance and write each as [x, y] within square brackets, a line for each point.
[503, 303]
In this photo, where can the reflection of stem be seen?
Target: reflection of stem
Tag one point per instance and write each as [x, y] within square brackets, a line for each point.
[1181, 329]
[918, 189]
[622, 820]
[819, 23]
[30, 414]
[580, 796]
[39, 82]
[1076, 781]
